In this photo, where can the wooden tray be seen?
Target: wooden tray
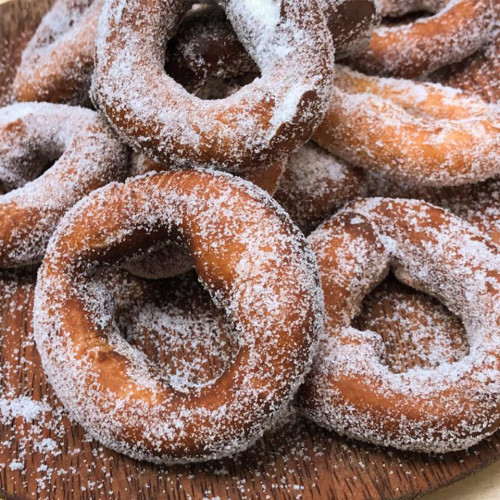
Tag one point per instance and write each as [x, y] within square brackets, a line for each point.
[44, 455]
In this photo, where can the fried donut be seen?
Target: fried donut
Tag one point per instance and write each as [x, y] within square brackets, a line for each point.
[444, 137]
[46, 75]
[315, 184]
[350, 390]
[76, 152]
[57, 64]
[255, 265]
[263, 122]
[206, 45]
[457, 29]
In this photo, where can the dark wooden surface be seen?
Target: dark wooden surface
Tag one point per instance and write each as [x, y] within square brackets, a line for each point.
[44, 455]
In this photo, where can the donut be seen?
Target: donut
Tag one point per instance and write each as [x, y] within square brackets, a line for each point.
[276, 113]
[444, 136]
[350, 389]
[51, 155]
[315, 184]
[207, 47]
[254, 263]
[57, 64]
[454, 30]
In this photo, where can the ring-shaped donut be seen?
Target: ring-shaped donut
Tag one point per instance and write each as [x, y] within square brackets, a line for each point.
[458, 29]
[444, 136]
[74, 151]
[57, 63]
[206, 45]
[263, 122]
[350, 389]
[254, 263]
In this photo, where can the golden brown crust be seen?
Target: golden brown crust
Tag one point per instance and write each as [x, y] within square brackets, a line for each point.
[422, 133]
[82, 155]
[57, 63]
[457, 30]
[255, 265]
[351, 390]
[263, 122]
[478, 74]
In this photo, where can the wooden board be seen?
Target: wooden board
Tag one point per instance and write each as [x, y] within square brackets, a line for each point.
[44, 455]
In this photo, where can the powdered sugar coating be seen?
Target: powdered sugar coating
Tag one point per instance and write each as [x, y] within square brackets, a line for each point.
[480, 72]
[82, 153]
[409, 50]
[253, 262]
[314, 184]
[57, 63]
[206, 45]
[479, 203]
[263, 122]
[449, 407]
[443, 135]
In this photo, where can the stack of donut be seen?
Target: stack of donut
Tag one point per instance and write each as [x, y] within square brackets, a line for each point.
[290, 153]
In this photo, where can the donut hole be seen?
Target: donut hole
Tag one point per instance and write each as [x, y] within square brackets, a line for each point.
[33, 165]
[161, 260]
[220, 88]
[395, 13]
[176, 325]
[406, 19]
[417, 329]
[190, 60]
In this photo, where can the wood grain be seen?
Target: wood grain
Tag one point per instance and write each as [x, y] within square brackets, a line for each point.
[48, 457]
[43, 455]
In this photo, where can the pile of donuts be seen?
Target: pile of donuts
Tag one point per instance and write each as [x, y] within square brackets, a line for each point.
[292, 153]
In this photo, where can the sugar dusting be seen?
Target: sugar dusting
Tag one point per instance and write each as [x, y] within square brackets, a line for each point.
[295, 60]
[443, 135]
[57, 64]
[451, 406]
[315, 184]
[455, 31]
[267, 249]
[81, 153]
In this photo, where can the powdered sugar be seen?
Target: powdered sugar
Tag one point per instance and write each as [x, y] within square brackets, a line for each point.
[443, 136]
[449, 407]
[57, 63]
[314, 184]
[82, 154]
[168, 420]
[409, 50]
[167, 123]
